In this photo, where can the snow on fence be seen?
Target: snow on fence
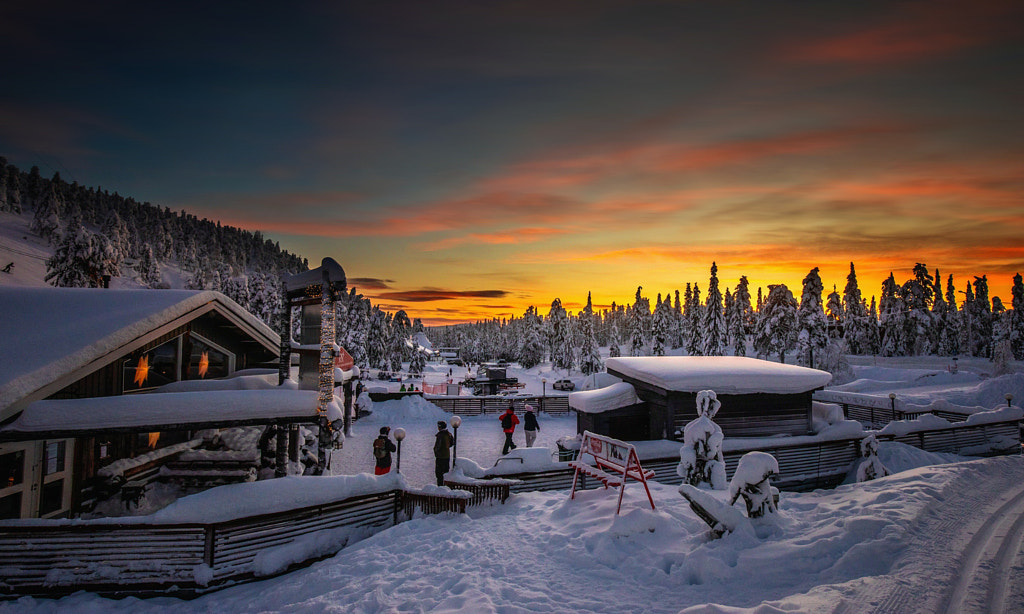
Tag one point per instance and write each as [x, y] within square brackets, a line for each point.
[52, 558]
[475, 406]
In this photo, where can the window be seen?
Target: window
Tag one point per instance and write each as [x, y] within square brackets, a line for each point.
[52, 498]
[12, 469]
[10, 506]
[151, 369]
[206, 361]
[53, 459]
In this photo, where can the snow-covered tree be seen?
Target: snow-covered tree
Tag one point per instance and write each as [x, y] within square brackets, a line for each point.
[981, 318]
[870, 466]
[714, 332]
[559, 336]
[149, 272]
[614, 351]
[855, 324]
[777, 327]
[892, 319]
[46, 220]
[81, 260]
[951, 328]
[694, 324]
[833, 359]
[700, 457]
[834, 313]
[1017, 318]
[531, 352]
[742, 317]
[751, 480]
[661, 329]
[590, 354]
[812, 335]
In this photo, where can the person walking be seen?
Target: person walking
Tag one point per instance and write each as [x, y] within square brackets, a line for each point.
[442, 454]
[509, 420]
[382, 449]
[530, 426]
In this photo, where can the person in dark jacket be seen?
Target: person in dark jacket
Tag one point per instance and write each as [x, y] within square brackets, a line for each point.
[509, 420]
[442, 454]
[382, 449]
[530, 426]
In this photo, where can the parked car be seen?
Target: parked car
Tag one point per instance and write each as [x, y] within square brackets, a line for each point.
[564, 384]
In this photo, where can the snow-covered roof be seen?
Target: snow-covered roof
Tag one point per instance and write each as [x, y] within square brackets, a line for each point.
[604, 399]
[156, 411]
[49, 333]
[723, 374]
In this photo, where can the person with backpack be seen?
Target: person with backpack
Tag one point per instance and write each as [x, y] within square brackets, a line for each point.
[509, 420]
[382, 449]
[443, 441]
[530, 426]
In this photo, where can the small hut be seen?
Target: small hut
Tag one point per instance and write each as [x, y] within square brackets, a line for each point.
[759, 398]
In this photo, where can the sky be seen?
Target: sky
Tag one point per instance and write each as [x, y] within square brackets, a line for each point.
[466, 160]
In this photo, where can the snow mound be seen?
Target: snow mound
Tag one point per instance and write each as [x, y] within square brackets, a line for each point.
[412, 408]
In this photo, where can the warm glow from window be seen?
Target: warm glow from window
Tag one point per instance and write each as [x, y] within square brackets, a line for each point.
[153, 439]
[204, 364]
[142, 371]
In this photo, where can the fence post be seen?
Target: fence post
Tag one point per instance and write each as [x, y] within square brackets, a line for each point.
[208, 546]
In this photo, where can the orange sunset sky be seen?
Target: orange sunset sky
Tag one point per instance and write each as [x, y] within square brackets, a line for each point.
[466, 160]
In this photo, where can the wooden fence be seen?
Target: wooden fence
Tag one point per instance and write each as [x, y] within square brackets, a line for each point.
[119, 559]
[475, 406]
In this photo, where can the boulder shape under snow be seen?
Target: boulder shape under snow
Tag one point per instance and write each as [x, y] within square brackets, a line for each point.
[724, 374]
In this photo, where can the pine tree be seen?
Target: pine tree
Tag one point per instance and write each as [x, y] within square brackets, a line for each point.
[661, 327]
[855, 325]
[560, 341]
[938, 316]
[46, 221]
[695, 318]
[677, 324]
[714, 333]
[532, 352]
[982, 318]
[812, 335]
[777, 325]
[149, 273]
[1017, 318]
[892, 319]
[874, 330]
[590, 355]
[743, 315]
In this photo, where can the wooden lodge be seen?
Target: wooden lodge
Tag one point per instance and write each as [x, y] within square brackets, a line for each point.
[65, 349]
[759, 398]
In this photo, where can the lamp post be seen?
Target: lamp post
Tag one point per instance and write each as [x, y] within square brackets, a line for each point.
[456, 422]
[1009, 399]
[544, 392]
[399, 436]
[892, 401]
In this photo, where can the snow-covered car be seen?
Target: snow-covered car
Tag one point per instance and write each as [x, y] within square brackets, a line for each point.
[564, 384]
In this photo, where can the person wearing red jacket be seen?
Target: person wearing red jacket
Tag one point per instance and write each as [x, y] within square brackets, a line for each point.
[509, 420]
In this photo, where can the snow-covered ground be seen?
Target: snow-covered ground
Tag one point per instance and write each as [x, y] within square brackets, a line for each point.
[943, 534]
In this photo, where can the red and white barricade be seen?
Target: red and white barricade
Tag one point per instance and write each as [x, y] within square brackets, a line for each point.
[614, 462]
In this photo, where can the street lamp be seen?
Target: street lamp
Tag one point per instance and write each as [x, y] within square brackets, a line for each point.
[456, 422]
[1009, 399]
[892, 400]
[544, 392]
[399, 436]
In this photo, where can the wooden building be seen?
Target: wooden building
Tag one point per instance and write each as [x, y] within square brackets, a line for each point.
[64, 344]
[759, 398]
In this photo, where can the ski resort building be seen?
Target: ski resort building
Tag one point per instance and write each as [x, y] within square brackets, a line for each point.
[75, 372]
[657, 397]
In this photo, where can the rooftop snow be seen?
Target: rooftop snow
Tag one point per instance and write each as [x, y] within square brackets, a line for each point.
[723, 374]
[604, 399]
[139, 411]
[48, 333]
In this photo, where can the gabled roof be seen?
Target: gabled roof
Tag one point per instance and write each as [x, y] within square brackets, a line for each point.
[723, 374]
[50, 337]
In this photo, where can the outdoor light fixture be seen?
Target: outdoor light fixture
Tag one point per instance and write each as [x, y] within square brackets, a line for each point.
[456, 421]
[543, 392]
[399, 436]
[1009, 399]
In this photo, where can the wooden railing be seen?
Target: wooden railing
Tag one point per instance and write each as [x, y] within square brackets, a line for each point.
[475, 406]
[483, 492]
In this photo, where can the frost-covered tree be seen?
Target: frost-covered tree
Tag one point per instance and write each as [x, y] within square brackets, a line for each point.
[892, 319]
[917, 295]
[531, 353]
[834, 313]
[559, 336]
[400, 331]
[639, 315]
[149, 272]
[938, 313]
[742, 316]
[714, 332]
[855, 324]
[81, 260]
[1017, 318]
[870, 466]
[777, 327]
[700, 458]
[590, 354]
[833, 359]
[695, 321]
[46, 220]
[661, 329]
[981, 318]
[418, 360]
[951, 327]
[812, 335]
[614, 351]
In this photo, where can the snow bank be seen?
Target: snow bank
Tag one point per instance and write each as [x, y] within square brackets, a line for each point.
[520, 460]
[723, 374]
[244, 382]
[411, 408]
[268, 496]
[605, 399]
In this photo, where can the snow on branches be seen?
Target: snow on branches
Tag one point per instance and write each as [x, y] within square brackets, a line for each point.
[700, 458]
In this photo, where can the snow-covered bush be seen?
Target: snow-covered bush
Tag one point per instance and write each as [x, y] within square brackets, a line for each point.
[700, 458]
[1002, 358]
[751, 481]
[834, 361]
[871, 466]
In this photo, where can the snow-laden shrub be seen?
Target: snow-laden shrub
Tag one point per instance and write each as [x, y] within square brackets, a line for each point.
[1002, 358]
[871, 466]
[751, 481]
[700, 458]
[834, 361]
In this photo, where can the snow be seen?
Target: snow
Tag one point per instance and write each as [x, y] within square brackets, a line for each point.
[903, 543]
[60, 330]
[142, 410]
[723, 374]
[604, 399]
[315, 277]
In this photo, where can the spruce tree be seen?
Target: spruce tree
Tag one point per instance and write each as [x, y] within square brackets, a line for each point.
[713, 329]
[1017, 318]
[855, 324]
[46, 220]
[590, 354]
[812, 328]
[695, 317]
[777, 325]
[743, 314]
[892, 319]
[661, 327]
[982, 318]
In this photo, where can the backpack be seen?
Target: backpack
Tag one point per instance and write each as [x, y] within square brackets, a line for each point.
[379, 451]
[506, 421]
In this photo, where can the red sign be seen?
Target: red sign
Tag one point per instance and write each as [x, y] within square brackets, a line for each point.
[344, 360]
